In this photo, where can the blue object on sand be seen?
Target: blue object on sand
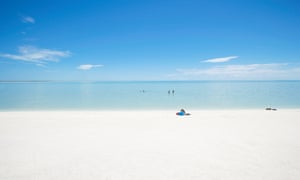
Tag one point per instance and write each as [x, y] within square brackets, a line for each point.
[180, 113]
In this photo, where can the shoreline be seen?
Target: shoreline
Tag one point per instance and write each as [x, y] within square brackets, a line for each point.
[151, 111]
[148, 109]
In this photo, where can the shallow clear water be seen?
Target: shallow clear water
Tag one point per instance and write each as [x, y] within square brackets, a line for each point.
[149, 95]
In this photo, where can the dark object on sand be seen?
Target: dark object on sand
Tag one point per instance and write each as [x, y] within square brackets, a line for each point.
[182, 113]
[271, 109]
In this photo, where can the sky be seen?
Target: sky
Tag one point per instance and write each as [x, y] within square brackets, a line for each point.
[116, 40]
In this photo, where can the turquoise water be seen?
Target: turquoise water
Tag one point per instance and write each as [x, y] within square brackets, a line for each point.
[149, 95]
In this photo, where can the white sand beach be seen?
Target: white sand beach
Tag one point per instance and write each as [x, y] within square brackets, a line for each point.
[150, 145]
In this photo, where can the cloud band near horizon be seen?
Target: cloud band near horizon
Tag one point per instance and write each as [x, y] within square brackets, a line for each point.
[220, 60]
[242, 72]
[86, 67]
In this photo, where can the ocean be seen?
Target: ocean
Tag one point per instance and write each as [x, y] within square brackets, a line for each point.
[149, 95]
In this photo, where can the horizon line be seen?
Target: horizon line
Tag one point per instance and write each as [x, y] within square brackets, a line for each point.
[37, 81]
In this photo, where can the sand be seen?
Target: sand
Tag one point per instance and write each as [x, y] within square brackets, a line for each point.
[150, 145]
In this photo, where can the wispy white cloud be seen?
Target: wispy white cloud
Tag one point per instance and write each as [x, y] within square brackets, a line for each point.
[37, 55]
[27, 19]
[89, 66]
[233, 69]
[220, 60]
[243, 72]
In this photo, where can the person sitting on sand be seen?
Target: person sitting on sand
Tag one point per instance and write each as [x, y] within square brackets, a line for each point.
[182, 113]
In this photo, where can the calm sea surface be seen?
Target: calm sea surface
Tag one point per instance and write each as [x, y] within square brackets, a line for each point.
[149, 95]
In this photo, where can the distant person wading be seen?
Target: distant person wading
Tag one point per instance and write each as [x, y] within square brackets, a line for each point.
[173, 92]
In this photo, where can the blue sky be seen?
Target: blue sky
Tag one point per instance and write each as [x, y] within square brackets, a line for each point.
[150, 40]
